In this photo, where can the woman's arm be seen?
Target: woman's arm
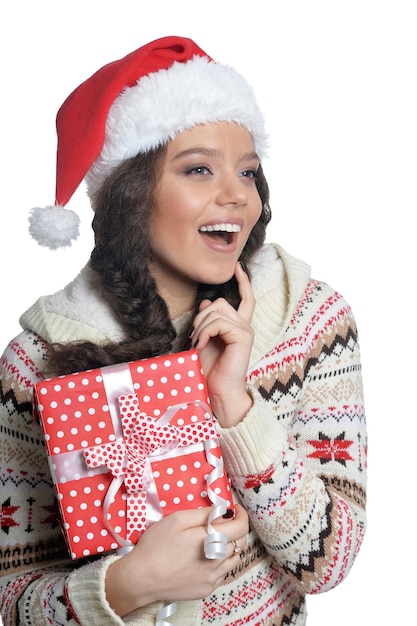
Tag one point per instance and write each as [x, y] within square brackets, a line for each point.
[298, 459]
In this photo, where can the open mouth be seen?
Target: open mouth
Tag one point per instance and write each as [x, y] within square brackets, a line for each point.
[223, 233]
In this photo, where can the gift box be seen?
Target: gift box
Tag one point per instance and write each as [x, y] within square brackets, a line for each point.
[128, 444]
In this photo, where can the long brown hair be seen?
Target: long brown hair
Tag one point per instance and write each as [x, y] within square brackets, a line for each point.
[121, 259]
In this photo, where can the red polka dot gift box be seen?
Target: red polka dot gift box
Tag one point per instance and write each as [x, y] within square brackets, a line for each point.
[128, 444]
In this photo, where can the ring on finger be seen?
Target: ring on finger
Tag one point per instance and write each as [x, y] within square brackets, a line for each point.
[236, 548]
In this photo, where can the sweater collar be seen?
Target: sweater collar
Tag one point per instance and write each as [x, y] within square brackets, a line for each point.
[79, 312]
[278, 282]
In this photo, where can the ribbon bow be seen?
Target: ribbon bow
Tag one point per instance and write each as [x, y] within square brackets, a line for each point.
[143, 435]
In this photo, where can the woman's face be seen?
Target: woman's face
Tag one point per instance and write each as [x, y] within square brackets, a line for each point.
[206, 205]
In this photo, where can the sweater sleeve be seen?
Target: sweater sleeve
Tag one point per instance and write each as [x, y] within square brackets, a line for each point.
[39, 584]
[297, 460]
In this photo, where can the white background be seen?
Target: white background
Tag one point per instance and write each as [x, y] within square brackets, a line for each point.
[337, 83]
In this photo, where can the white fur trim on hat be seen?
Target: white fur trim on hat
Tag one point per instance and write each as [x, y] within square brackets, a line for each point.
[166, 102]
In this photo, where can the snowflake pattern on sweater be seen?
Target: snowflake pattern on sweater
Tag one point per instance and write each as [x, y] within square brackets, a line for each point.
[297, 463]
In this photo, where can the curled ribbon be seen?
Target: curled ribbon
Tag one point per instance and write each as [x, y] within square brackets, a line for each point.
[216, 542]
[167, 610]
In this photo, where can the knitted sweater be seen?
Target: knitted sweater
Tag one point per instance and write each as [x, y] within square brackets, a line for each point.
[297, 461]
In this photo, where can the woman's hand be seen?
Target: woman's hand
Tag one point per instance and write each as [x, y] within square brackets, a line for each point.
[224, 338]
[168, 562]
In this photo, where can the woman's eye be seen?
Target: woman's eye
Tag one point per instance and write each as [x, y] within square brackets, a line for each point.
[198, 169]
[250, 174]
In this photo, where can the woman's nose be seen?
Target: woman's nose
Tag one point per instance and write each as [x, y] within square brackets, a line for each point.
[232, 190]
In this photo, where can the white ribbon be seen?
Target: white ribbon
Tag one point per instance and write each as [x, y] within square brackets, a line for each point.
[167, 611]
[216, 542]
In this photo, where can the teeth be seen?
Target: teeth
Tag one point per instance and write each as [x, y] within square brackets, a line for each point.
[228, 228]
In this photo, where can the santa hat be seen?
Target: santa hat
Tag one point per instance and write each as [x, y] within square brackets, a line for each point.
[133, 105]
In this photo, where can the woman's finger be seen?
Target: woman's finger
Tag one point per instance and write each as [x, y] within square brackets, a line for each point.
[217, 319]
[236, 546]
[247, 299]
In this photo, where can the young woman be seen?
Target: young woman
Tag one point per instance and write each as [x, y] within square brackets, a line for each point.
[170, 144]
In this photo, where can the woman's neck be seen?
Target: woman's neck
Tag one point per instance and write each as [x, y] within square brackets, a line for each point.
[179, 296]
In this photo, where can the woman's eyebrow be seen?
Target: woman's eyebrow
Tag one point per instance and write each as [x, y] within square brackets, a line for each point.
[211, 152]
[250, 156]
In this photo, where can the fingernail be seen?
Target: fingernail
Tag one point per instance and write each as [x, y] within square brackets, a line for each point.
[191, 333]
[229, 513]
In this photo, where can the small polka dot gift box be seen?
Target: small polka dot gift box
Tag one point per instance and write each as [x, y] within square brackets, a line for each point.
[128, 444]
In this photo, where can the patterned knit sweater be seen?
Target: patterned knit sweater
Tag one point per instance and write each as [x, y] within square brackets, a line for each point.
[297, 461]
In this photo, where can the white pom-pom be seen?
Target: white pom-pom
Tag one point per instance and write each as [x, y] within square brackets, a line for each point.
[53, 226]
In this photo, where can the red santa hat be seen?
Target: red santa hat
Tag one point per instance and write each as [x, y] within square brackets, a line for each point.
[132, 105]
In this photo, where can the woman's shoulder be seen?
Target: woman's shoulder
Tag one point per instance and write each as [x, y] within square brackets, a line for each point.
[289, 301]
[78, 312]
[24, 360]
